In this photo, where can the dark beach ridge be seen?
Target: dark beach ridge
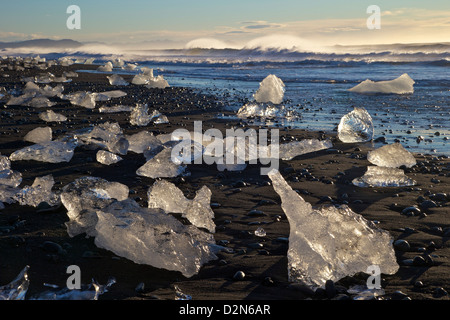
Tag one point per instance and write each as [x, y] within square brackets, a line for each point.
[322, 177]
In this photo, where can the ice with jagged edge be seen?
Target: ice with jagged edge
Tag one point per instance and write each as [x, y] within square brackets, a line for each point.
[288, 151]
[139, 115]
[108, 135]
[392, 156]
[383, 177]
[8, 177]
[108, 95]
[39, 135]
[39, 191]
[82, 98]
[401, 85]
[116, 80]
[51, 116]
[153, 237]
[157, 82]
[271, 89]
[356, 126]
[330, 243]
[107, 158]
[115, 109]
[16, 289]
[51, 151]
[167, 196]
[107, 67]
[83, 197]
[162, 165]
[141, 141]
[267, 110]
[161, 119]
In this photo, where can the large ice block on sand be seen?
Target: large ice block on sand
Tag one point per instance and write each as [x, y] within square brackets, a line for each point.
[152, 237]
[356, 126]
[271, 89]
[157, 82]
[167, 196]
[51, 151]
[383, 177]
[39, 135]
[16, 289]
[162, 165]
[106, 157]
[39, 191]
[401, 85]
[83, 99]
[83, 197]
[108, 135]
[392, 156]
[330, 243]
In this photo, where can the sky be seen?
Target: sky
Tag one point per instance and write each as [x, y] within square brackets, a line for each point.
[231, 23]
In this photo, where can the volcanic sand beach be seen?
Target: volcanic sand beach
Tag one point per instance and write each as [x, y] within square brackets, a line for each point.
[234, 195]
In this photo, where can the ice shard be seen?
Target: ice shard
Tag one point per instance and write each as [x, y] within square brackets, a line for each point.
[162, 165]
[271, 89]
[330, 243]
[383, 177]
[39, 191]
[83, 197]
[107, 67]
[8, 177]
[152, 237]
[114, 109]
[167, 196]
[51, 151]
[287, 151]
[161, 119]
[51, 116]
[157, 82]
[356, 126]
[82, 98]
[139, 115]
[106, 157]
[392, 156]
[16, 289]
[116, 80]
[39, 135]
[108, 135]
[401, 85]
[141, 141]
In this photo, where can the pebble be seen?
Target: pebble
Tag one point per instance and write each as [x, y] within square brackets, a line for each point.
[440, 292]
[402, 245]
[399, 295]
[52, 247]
[140, 288]
[256, 245]
[256, 213]
[428, 204]
[239, 275]
[411, 210]
[330, 289]
[419, 261]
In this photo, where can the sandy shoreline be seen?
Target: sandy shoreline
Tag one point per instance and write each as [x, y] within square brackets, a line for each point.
[235, 193]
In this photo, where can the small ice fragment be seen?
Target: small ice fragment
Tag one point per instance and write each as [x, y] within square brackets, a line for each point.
[114, 109]
[383, 177]
[107, 67]
[165, 195]
[8, 193]
[130, 66]
[288, 151]
[83, 99]
[141, 141]
[83, 197]
[105, 157]
[157, 82]
[51, 151]
[139, 115]
[392, 156]
[51, 116]
[40, 191]
[116, 80]
[140, 79]
[39, 135]
[16, 289]
[401, 85]
[152, 237]
[231, 166]
[162, 166]
[260, 232]
[161, 119]
[271, 89]
[356, 126]
[361, 292]
[330, 243]
[179, 295]
[108, 136]
[113, 94]
[8, 177]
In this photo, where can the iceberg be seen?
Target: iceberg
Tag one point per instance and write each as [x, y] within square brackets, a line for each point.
[356, 126]
[330, 243]
[271, 89]
[51, 116]
[83, 197]
[165, 195]
[383, 177]
[392, 156]
[152, 237]
[51, 151]
[39, 135]
[40, 191]
[401, 85]
[16, 289]
[106, 157]
[116, 80]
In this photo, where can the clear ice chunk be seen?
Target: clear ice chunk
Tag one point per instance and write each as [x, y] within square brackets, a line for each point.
[383, 177]
[401, 85]
[16, 289]
[51, 116]
[161, 119]
[356, 126]
[392, 156]
[141, 141]
[8, 177]
[83, 99]
[162, 165]
[108, 135]
[39, 135]
[139, 115]
[107, 158]
[157, 82]
[40, 102]
[271, 89]
[107, 67]
[140, 79]
[116, 80]
[152, 237]
[51, 151]
[40, 191]
[8, 193]
[167, 196]
[83, 197]
[330, 243]
[114, 109]
[111, 94]
[288, 151]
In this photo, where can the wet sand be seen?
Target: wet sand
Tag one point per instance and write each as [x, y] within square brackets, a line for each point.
[234, 195]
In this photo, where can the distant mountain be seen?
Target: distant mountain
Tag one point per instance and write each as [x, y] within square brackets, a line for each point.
[42, 43]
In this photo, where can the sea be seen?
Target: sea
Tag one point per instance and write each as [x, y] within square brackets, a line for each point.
[317, 84]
